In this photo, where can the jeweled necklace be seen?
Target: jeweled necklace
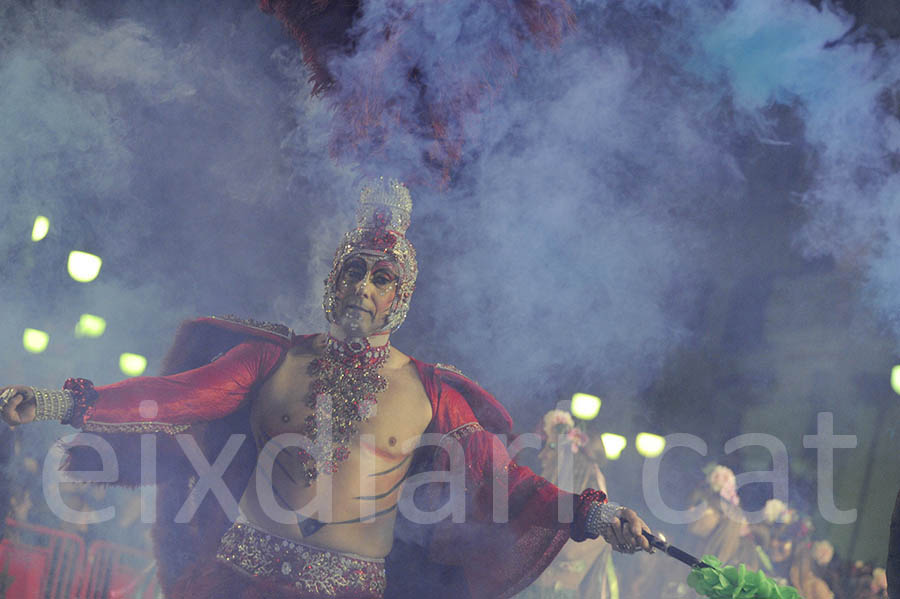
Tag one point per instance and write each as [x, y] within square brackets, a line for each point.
[342, 395]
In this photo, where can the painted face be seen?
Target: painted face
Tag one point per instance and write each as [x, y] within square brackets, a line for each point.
[365, 293]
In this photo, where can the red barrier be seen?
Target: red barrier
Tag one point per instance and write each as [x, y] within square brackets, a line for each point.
[117, 571]
[40, 563]
[43, 563]
[23, 569]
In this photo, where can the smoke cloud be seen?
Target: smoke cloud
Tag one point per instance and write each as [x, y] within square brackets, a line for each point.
[592, 194]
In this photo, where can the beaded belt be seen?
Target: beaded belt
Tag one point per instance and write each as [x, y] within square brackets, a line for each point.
[312, 571]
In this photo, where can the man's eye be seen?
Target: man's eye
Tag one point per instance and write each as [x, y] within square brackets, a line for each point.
[381, 280]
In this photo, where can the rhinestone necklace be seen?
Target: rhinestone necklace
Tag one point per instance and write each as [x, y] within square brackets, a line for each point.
[342, 395]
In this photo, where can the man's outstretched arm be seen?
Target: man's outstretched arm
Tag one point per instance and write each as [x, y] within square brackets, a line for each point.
[533, 499]
[502, 552]
[147, 404]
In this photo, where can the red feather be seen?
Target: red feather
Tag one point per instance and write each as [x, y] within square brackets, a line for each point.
[367, 112]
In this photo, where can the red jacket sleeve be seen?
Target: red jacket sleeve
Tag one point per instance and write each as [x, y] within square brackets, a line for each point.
[172, 403]
[165, 405]
[500, 558]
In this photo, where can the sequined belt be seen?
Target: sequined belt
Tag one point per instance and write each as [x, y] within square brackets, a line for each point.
[312, 571]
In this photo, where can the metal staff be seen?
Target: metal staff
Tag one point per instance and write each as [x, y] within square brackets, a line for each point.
[673, 551]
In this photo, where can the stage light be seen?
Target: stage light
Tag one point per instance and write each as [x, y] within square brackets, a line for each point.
[895, 378]
[613, 445]
[84, 267]
[584, 406]
[132, 364]
[90, 326]
[40, 229]
[649, 445]
[35, 341]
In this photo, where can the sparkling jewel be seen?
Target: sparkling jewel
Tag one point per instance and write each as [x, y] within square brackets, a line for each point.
[343, 394]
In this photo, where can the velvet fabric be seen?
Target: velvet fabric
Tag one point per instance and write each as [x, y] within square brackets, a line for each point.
[213, 384]
[199, 395]
[495, 558]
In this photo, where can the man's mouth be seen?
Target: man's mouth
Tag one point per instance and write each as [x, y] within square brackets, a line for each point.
[359, 309]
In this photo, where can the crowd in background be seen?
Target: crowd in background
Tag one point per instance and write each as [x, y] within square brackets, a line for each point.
[784, 545]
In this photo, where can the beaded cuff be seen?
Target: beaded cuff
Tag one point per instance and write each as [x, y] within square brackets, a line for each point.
[53, 404]
[84, 396]
[599, 519]
[584, 503]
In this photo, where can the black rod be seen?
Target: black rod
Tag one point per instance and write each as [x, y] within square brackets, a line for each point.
[673, 551]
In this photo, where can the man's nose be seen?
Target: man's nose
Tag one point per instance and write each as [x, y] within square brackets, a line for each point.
[363, 287]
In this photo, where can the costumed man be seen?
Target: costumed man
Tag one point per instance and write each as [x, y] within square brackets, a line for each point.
[318, 435]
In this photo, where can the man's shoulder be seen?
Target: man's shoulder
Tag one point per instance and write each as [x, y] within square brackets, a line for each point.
[442, 367]
[202, 340]
[440, 372]
[250, 326]
[467, 392]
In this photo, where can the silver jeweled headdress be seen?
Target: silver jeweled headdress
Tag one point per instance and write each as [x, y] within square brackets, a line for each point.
[382, 218]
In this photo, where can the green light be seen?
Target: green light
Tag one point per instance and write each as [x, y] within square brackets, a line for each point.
[84, 267]
[649, 445]
[584, 406]
[40, 229]
[613, 445]
[132, 364]
[35, 341]
[895, 378]
[90, 326]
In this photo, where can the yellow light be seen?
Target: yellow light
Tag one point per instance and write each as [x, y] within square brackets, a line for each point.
[613, 445]
[895, 378]
[649, 445]
[84, 267]
[132, 364]
[90, 326]
[584, 406]
[40, 229]
[35, 341]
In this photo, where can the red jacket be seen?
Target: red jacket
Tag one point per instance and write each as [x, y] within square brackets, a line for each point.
[217, 366]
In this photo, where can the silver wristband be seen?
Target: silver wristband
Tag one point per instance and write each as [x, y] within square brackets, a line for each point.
[599, 519]
[53, 404]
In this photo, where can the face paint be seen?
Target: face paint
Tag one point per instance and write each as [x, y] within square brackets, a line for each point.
[365, 293]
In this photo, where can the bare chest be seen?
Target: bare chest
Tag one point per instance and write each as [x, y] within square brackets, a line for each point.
[389, 428]
[359, 496]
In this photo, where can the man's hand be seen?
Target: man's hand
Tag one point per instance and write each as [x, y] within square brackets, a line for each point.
[625, 533]
[17, 405]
